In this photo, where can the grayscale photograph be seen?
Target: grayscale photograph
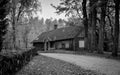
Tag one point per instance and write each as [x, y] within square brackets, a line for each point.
[59, 37]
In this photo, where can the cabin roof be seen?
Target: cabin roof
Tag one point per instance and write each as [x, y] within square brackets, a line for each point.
[61, 34]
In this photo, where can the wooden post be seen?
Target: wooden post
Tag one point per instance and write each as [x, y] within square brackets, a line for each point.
[54, 46]
[48, 45]
[45, 47]
[73, 42]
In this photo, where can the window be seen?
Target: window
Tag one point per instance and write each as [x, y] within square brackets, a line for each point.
[67, 45]
[63, 45]
[81, 44]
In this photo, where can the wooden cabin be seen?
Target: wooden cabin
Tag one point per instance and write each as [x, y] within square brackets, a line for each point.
[68, 38]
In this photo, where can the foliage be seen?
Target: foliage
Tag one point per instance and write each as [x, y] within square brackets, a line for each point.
[9, 65]
[25, 35]
[51, 22]
[73, 21]
[69, 7]
[19, 10]
[24, 7]
[3, 20]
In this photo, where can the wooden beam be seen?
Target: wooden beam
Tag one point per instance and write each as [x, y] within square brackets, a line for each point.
[45, 46]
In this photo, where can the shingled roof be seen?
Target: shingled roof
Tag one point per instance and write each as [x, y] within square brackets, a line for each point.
[61, 34]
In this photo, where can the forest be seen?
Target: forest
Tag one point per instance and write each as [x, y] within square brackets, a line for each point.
[100, 19]
[20, 25]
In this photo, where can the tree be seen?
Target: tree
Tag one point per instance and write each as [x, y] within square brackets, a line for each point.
[102, 27]
[61, 22]
[48, 23]
[92, 22]
[25, 35]
[3, 21]
[7, 43]
[74, 21]
[116, 29]
[85, 21]
[20, 8]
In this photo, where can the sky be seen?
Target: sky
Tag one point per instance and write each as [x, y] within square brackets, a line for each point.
[48, 11]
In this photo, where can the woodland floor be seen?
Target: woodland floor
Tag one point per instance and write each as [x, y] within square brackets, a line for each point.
[42, 65]
[30, 63]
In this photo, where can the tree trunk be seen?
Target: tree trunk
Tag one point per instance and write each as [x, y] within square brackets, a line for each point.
[26, 42]
[0, 44]
[85, 22]
[93, 15]
[13, 24]
[92, 23]
[14, 33]
[116, 29]
[93, 36]
[101, 29]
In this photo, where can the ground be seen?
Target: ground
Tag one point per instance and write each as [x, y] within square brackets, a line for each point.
[58, 63]
[41, 65]
[102, 65]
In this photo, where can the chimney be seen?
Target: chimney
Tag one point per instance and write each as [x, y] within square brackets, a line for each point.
[55, 26]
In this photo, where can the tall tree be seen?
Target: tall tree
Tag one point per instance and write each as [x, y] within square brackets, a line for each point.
[85, 21]
[116, 29]
[25, 36]
[92, 22]
[102, 26]
[21, 8]
[3, 20]
[48, 23]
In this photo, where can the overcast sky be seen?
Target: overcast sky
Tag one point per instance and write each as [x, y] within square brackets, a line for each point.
[48, 11]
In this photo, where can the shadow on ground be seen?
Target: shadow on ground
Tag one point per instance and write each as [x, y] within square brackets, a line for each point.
[11, 65]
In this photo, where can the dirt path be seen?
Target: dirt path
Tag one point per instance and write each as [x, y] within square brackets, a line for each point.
[102, 65]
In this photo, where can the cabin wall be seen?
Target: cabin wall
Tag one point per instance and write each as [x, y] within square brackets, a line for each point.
[66, 44]
[79, 44]
[39, 46]
[76, 44]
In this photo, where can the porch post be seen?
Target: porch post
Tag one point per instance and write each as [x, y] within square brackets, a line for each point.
[45, 47]
[73, 42]
[48, 45]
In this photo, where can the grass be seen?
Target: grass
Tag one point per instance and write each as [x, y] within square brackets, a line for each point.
[42, 65]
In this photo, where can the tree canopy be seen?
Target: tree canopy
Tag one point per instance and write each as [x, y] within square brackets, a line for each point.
[100, 19]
